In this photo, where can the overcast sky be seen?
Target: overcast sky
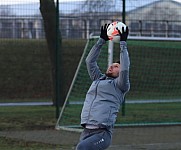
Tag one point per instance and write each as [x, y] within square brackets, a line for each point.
[4, 2]
[34, 8]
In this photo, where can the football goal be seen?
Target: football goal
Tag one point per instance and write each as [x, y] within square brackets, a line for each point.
[155, 77]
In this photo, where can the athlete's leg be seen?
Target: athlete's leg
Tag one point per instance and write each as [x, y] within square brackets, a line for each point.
[94, 140]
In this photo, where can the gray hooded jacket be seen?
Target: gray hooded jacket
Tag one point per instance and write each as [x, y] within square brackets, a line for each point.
[105, 95]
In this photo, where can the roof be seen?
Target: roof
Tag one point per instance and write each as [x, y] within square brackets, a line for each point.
[158, 10]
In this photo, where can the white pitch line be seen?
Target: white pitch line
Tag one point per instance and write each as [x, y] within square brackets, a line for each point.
[137, 101]
[27, 104]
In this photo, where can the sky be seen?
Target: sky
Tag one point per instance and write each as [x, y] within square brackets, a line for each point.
[5, 2]
[26, 9]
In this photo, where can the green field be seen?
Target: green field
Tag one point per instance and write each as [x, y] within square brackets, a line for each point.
[10, 144]
[136, 114]
[43, 117]
[27, 118]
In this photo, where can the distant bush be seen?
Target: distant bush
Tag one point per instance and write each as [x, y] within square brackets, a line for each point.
[25, 68]
[26, 71]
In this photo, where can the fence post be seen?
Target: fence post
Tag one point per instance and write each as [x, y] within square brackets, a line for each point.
[124, 12]
[124, 21]
[57, 63]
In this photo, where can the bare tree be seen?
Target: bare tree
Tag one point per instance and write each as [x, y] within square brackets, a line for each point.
[96, 5]
[48, 11]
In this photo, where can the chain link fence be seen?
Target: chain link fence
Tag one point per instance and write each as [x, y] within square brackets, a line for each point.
[25, 60]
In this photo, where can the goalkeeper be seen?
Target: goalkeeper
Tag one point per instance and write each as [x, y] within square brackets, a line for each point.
[104, 96]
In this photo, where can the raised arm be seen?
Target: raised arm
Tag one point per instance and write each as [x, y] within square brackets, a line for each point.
[123, 79]
[91, 60]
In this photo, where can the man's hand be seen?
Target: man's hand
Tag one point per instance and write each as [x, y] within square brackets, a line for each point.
[104, 32]
[124, 34]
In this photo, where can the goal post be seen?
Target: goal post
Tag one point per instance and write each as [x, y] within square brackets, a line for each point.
[110, 52]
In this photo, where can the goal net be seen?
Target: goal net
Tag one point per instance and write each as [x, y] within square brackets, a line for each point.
[155, 76]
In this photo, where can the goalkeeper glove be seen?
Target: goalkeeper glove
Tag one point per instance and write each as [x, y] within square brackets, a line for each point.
[104, 32]
[124, 34]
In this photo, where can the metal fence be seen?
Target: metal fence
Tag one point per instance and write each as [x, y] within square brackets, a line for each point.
[81, 18]
[25, 63]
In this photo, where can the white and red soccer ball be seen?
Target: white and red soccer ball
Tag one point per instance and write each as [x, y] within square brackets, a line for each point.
[112, 31]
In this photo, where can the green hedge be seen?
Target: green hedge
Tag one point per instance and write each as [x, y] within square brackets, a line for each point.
[25, 70]
[25, 67]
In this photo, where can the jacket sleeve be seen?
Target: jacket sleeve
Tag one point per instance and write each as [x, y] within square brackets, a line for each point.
[123, 80]
[91, 60]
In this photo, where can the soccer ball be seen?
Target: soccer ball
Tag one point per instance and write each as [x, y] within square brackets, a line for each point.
[112, 31]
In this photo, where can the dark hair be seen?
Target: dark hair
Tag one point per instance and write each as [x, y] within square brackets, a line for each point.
[118, 61]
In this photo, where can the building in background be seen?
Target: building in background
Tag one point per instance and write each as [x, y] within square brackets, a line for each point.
[157, 19]
[21, 27]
